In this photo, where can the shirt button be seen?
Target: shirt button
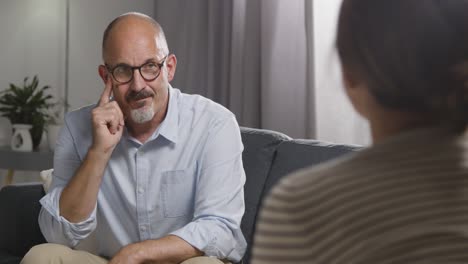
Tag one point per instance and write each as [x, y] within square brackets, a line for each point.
[140, 190]
[143, 228]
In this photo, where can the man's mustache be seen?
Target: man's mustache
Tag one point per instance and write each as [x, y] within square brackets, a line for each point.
[135, 96]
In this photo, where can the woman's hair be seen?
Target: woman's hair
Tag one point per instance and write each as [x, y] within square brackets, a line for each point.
[412, 54]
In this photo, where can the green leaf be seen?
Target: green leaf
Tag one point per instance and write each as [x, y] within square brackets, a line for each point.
[27, 103]
[34, 84]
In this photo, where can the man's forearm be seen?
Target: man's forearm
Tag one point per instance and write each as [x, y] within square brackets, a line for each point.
[169, 249]
[79, 197]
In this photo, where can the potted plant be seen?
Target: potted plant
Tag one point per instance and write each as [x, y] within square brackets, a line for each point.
[27, 104]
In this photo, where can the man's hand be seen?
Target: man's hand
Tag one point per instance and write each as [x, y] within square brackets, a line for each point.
[108, 122]
[131, 254]
[108, 125]
[166, 250]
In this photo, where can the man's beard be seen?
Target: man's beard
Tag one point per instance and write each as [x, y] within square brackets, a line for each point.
[143, 114]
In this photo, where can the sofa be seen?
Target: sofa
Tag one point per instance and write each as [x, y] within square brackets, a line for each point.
[268, 156]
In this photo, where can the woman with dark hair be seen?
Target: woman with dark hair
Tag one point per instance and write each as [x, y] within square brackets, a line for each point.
[404, 199]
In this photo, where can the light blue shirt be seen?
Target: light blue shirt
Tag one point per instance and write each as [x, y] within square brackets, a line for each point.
[186, 180]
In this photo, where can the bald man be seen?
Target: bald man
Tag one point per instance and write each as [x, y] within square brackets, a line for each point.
[154, 173]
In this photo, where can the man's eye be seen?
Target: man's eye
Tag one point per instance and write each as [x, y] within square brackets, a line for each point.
[120, 70]
[150, 65]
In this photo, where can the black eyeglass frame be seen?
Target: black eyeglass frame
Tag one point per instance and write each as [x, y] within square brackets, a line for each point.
[160, 65]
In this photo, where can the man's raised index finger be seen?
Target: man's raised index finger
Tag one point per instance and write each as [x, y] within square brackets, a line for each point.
[107, 93]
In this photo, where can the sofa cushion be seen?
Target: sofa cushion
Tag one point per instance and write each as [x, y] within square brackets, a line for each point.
[259, 150]
[19, 210]
[301, 153]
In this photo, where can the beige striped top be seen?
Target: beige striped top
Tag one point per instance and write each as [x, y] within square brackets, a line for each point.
[404, 200]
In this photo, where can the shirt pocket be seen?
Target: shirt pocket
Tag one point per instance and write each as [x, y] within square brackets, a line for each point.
[177, 193]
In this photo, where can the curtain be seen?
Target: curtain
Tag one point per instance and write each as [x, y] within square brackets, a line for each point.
[248, 55]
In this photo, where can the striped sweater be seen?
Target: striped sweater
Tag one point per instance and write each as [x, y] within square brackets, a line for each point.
[404, 200]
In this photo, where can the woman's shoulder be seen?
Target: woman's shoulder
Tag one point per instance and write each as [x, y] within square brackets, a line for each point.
[409, 159]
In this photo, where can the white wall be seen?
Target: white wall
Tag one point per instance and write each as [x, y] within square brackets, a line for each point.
[88, 19]
[33, 42]
[336, 119]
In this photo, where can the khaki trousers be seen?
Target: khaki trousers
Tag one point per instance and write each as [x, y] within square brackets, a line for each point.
[59, 254]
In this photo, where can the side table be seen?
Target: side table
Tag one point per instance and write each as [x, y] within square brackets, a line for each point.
[30, 161]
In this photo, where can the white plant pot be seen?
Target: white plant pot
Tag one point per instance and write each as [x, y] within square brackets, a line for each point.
[21, 139]
[52, 135]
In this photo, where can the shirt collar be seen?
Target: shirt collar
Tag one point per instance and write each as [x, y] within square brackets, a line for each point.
[170, 126]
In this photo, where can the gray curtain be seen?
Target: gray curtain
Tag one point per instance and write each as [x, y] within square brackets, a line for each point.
[252, 56]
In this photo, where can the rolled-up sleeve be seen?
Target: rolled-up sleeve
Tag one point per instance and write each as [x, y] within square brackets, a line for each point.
[219, 197]
[54, 227]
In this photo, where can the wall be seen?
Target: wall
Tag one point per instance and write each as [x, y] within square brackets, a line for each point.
[336, 119]
[33, 42]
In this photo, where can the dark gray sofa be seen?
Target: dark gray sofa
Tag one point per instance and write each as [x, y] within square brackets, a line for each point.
[267, 157]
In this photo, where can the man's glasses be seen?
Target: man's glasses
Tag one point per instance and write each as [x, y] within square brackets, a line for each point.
[124, 73]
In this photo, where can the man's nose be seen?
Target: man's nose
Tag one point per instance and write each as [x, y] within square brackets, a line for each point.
[137, 83]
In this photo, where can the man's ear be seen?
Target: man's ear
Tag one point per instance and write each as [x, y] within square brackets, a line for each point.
[171, 64]
[102, 70]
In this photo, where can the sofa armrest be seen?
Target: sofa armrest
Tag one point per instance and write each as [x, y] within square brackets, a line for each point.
[19, 211]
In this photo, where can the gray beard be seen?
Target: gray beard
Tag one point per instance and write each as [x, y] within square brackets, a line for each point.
[142, 114]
